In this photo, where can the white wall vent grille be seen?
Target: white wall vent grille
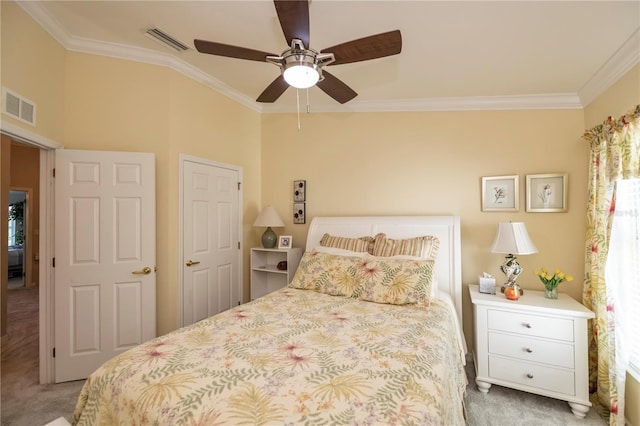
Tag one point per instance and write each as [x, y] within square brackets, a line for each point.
[18, 107]
[171, 42]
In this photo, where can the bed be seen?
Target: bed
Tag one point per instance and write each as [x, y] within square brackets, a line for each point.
[319, 351]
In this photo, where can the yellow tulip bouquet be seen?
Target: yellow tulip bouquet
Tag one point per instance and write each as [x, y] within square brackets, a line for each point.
[551, 281]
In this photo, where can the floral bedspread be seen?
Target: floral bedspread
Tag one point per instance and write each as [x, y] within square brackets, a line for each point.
[291, 357]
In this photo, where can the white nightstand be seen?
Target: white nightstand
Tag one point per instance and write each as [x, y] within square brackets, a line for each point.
[265, 275]
[535, 344]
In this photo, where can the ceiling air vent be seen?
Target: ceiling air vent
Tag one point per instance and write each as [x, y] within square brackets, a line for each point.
[18, 107]
[167, 40]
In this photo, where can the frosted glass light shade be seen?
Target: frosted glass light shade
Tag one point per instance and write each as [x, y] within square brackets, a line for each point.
[301, 76]
[513, 238]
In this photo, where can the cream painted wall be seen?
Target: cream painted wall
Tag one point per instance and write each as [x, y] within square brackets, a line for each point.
[33, 66]
[431, 163]
[616, 101]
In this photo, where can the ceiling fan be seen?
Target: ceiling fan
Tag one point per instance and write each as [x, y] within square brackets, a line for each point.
[301, 66]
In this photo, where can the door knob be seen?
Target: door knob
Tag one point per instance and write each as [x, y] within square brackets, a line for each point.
[146, 270]
[189, 263]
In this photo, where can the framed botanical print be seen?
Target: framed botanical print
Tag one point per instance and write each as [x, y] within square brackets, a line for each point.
[299, 190]
[547, 193]
[500, 194]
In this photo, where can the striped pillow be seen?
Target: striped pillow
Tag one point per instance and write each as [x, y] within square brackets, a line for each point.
[425, 247]
[362, 244]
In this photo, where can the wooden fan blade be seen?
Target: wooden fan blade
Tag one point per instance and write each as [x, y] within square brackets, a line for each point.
[294, 19]
[366, 48]
[230, 51]
[274, 90]
[334, 87]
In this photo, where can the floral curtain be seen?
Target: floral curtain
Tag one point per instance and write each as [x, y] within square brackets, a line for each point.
[615, 155]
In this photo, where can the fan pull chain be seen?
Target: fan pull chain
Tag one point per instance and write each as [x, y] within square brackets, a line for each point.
[298, 106]
[308, 103]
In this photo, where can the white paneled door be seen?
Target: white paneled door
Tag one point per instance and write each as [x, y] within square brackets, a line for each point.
[211, 279]
[105, 253]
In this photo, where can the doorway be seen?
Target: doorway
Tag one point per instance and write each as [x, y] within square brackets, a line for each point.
[16, 241]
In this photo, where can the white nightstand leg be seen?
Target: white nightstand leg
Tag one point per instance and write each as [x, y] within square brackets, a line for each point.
[483, 386]
[579, 410]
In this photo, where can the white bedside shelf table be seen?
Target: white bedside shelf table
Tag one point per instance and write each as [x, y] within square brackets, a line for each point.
[535, 344]
[265, 275]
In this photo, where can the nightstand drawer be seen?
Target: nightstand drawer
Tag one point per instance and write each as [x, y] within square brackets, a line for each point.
[530, 349]
[531, 325]
[538, 376]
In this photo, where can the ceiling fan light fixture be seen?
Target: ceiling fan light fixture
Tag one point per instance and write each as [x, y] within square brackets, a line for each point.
[300, 75]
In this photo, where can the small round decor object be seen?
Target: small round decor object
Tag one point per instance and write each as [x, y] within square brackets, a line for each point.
[282, 266]
[512, 292]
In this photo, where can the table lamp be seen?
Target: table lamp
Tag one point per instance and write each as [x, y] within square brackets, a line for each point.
[512, 238]
[269, 217]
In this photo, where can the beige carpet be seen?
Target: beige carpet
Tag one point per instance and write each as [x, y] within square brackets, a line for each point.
[23, 401]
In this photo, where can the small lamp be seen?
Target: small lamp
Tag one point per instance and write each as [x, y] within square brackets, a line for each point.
[512, 238]
[268, 217]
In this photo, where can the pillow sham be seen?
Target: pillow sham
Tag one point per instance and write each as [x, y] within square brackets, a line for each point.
[396, 281]
[425, 247]
[360, 244]
[338, 251]
[332, 274]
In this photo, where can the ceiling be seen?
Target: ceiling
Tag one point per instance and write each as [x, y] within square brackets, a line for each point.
[456, 55]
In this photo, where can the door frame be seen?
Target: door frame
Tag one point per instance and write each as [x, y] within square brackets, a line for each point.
[46, 238]
[182, 158]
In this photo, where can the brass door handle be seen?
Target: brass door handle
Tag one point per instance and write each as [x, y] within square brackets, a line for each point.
[145, 271]
[189, 263]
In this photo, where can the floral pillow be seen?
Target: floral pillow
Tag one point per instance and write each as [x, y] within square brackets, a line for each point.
[361, 244]
[396, 281]
[328, 273]
[425, 247]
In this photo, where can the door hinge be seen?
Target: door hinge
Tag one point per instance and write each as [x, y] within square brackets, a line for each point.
[53, 172]
[54, 352]
[239, 183]
[238, 245]
[53, 263]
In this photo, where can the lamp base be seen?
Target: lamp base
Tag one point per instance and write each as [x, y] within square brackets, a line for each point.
[269, 238]
[511, 269]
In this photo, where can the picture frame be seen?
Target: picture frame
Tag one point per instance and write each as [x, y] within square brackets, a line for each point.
[547, 193]
[500, 193]
[285, 242]
[299, 190]
[299, 213]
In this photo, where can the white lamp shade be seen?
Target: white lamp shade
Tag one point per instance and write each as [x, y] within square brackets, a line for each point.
[512, 238]
[268, 217]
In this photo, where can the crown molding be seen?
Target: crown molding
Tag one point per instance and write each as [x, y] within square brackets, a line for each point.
[488, 103]
[120, 51]
[623, 60]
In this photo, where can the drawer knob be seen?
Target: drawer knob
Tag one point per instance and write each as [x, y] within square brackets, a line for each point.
[526, 324]
[529, 375]
[529, 350]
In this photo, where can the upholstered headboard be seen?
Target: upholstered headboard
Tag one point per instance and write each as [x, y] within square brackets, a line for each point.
[446, 228]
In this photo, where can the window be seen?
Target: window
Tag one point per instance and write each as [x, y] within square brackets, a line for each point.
[623, 272]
